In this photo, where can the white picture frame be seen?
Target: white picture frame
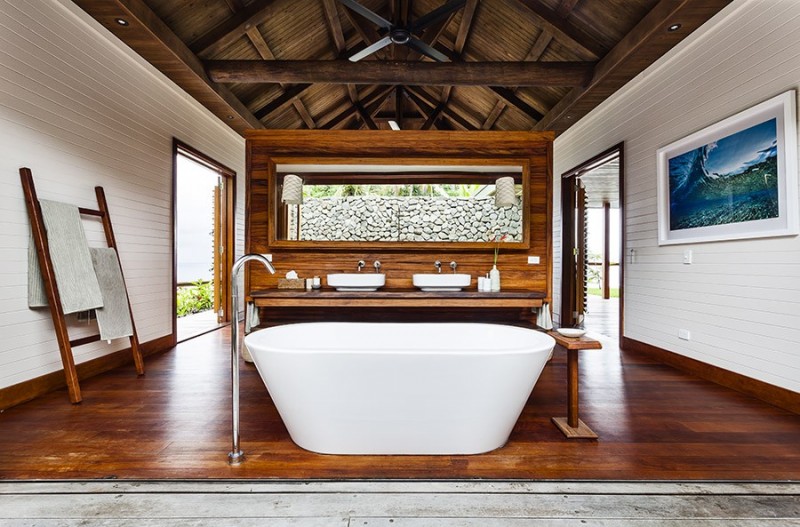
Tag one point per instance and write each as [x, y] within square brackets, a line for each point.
[710, 183]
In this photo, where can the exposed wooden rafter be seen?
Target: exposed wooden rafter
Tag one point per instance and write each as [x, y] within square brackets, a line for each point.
[264, 51]
[461, 39]
[534, 54]
[149, 36]
[387, 72]
[461, 119]
[189, 41]
[282, 101]
[234, 28]
[371, 102]
[572, 36]
[565, 7]
[334, 25]
[642, 46]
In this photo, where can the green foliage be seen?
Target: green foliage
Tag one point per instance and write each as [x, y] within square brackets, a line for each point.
[195, 298]
[441, 190]
[614, 293]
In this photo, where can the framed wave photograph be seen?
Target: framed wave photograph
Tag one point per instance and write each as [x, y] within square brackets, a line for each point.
[732, 180]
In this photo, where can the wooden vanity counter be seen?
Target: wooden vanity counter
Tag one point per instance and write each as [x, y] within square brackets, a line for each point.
[395, 298]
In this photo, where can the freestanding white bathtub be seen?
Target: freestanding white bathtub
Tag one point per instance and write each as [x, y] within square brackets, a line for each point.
[399, 388]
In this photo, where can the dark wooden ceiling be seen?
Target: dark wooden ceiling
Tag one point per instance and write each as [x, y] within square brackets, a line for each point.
[513, 64]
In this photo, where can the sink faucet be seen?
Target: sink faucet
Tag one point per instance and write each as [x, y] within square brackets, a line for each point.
[438, 265]
[377, 266]
[360, 265]
[453, 266]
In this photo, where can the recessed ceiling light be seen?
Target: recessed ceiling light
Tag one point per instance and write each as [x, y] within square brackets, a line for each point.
[673, 28]
[122, 21]
[230, 117]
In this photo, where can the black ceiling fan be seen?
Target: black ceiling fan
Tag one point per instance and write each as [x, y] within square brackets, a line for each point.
[403, 34]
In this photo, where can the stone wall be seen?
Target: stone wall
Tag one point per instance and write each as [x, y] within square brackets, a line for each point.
[412, 219]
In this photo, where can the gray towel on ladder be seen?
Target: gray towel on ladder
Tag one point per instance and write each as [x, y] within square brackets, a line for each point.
[114, 318]
[72, 263]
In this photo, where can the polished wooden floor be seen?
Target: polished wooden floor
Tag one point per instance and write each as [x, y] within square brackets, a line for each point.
[654, 422]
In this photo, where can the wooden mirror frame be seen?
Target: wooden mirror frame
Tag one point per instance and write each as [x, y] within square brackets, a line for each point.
[276, 207]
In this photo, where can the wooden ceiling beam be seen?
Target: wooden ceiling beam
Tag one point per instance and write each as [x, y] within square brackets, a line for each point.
[467, 16]
[575, 38]
[151, 38]
[304, 113]
[510, 97]
[461, 39]
[234, 28]
[565, 7]
[642, 46]
[534, 54]
[366, 118]
[264, 51]
[491, 119]
[334, 25]
[282, 101]
[337, 34]
[422, 73]
[459, 119]
[371, 102]
[434, 116]
[235, 5]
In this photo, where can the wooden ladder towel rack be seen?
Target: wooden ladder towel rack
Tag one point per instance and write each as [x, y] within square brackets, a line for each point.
[65, 345]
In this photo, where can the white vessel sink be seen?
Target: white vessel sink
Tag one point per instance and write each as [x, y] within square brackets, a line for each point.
[357, 281]
[441, 282]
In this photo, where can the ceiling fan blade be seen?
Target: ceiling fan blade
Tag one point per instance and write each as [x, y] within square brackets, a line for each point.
[372, 48]
[366, 13]
[440, 13]
[421, 47]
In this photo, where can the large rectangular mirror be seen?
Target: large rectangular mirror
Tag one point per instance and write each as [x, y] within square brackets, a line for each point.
[327, 202]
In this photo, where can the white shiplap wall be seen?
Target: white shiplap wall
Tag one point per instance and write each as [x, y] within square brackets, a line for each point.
[739, 299]
[81, 109]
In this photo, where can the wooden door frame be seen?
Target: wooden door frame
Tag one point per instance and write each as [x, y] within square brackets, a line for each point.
[568, 179]
[228, 203]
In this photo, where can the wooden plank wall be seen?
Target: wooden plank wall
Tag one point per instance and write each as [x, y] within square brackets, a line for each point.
[400, 264]
[740, 300]
[81, 109]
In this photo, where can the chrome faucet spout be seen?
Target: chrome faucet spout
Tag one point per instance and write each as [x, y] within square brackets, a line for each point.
[361, 264]
[453, 266]
[438, 265]
[377, 266]
[236, 456]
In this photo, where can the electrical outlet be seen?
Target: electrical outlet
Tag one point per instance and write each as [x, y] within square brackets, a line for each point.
[533, 260]
[268, 257]
[687, 256]
[684, 334]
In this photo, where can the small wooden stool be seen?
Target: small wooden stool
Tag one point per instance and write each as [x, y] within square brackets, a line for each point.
[571, 425]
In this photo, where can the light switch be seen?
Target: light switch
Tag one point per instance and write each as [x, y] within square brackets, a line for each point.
[533, 260]
[684, 334]
[687, 256]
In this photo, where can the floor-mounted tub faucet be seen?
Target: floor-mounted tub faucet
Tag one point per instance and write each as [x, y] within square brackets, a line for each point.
[236, 455]
[361, 264]
[377, 266]
[438, 265]
[453, 266]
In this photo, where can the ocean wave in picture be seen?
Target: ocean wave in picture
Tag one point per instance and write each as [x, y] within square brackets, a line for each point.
[731, 180]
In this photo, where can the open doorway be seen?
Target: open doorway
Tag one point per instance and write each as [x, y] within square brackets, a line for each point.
[203, 245]
[592, 264]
